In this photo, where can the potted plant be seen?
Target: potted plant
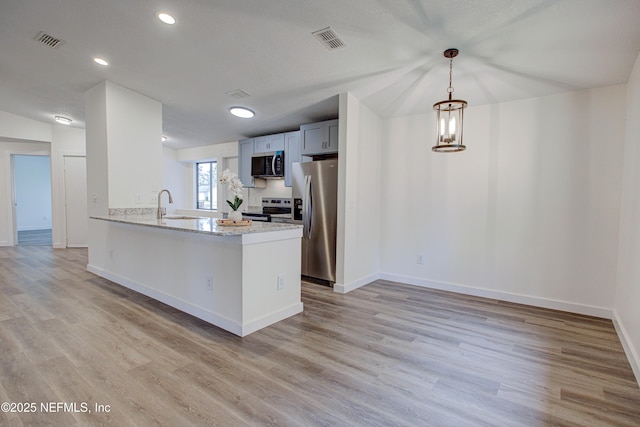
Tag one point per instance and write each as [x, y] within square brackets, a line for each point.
[235, 190]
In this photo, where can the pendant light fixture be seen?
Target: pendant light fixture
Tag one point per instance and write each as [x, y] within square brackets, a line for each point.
[449, 115]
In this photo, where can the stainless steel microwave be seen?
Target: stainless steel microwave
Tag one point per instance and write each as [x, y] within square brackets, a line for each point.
[268, 165]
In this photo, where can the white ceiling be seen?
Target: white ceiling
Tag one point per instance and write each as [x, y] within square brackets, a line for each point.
[509, 49]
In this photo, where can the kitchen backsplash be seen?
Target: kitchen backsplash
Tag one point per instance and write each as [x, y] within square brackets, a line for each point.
[274, 188]
[132, 211]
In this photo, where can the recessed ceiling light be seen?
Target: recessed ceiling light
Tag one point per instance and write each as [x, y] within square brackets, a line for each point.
[100, 61]
[166, 18]
[242, 112]
[164, 138]
[63, 120]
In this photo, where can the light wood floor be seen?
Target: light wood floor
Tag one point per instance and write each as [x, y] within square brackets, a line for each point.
[386, 354]
[35, 237]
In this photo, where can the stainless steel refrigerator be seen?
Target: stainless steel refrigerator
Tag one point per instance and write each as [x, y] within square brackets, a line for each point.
[315, 201]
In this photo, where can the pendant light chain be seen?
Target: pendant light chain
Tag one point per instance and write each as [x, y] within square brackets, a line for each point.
[450, 88]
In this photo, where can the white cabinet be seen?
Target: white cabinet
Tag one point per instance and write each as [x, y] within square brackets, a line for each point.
[319, 138]
[267, 143]
[245, 151]
[312, 139]
[291, 155]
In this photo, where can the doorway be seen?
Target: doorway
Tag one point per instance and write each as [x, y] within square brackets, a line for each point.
[32, 199]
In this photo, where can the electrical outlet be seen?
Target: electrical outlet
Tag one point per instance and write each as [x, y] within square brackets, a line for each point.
[281, 282]
[153, 198]
[210, 284]
[419, 259]
[139, 199]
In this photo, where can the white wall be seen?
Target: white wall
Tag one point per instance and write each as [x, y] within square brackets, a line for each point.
[226, 154]
[208, 152]
[359, 182]
[135, 147]
[32, 184]
[627, 302]
[124, 148]
[95, 109]
[21, 129]
[528, 213]
[177, 177]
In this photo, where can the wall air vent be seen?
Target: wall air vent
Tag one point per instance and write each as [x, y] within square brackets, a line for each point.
[238, 93]
[48, 40]
[329, 38]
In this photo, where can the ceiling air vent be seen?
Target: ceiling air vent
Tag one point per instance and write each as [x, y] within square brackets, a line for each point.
[238, 93]
[329, 39]
[48, 40]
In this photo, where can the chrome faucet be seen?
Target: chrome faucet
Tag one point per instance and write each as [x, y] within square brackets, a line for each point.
[160, 208]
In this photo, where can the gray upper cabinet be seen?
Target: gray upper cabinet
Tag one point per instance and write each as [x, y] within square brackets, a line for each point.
[265, 144]
[312, 139]
[319, 138]
[245, 151]
[291, 155]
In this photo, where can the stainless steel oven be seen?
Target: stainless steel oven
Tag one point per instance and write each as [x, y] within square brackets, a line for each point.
[256, 216]
[274, 209]
[279, 209]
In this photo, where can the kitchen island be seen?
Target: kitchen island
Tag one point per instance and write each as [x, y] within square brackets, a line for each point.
[239, 278]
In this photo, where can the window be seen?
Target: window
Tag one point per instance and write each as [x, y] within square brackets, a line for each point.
[206, 185]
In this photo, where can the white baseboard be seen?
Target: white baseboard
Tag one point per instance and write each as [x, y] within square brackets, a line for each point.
[588, 310]
[199, 312]
[59, 245]
[348, 287]
[271, 318]
[627, 344]
[4, 243]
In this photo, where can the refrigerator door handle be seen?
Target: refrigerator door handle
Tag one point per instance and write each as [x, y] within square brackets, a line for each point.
[306, 208]
[310, 198]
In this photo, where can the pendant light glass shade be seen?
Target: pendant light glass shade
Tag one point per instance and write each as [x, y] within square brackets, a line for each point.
[449, 117]
[449, 120]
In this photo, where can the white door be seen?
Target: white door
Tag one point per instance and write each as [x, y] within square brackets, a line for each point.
[75, 191]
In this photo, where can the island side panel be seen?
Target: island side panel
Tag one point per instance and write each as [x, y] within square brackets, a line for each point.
[173, 267]
[264, 265]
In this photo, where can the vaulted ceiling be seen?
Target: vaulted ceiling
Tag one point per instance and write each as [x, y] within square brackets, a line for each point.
[392, 61]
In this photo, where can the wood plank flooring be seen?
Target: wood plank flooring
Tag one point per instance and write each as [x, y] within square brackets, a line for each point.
[35, 237]
[384, 355]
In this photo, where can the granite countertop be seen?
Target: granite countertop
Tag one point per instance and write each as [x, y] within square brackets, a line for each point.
[197, 224]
